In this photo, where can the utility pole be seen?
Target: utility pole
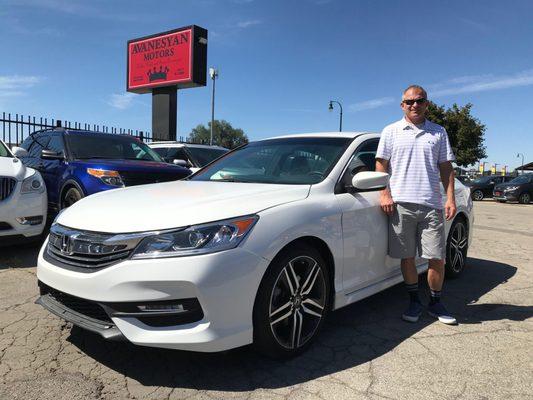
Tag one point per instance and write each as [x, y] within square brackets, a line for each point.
[213, 73]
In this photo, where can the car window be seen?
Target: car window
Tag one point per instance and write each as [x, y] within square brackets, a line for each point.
[115, 147]
[4, 152]
[39, 143]
[56, 144]
[306, 160]
[177, 153]
[521, 179]
[204, 155]
[363, 159]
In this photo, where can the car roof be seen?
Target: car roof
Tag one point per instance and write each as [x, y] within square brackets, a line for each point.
[171, 143]
[347, 135]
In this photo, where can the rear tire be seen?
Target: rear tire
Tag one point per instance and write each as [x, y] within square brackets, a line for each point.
[524, 198]
[456, 248]
[477, 195]
[71, 196]
[292, 303]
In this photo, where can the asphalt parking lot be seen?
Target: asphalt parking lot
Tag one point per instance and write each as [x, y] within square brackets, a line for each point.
[365, 351]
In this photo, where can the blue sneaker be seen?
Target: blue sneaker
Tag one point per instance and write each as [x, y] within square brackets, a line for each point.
[438, 311]
[413, 312]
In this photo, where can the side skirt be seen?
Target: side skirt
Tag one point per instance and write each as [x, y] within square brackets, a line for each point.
[344, 299]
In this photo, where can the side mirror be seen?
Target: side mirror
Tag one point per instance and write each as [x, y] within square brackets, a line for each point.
[367, 181]
[19, 151]
[181, 163]
[52, 155]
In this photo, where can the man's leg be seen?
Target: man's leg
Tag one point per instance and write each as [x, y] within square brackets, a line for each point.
[433, 246]
[410, 278]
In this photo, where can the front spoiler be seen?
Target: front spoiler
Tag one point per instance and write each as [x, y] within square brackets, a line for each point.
[107, 330]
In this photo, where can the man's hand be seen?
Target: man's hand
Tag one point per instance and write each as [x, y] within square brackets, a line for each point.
[450, 209]
[387, 204]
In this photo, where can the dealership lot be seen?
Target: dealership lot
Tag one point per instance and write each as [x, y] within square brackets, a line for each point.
[365, 351]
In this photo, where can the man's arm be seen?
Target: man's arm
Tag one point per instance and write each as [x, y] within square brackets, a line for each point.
[447, 176]
[387, 204]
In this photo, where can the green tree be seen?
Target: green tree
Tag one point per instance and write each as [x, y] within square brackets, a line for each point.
[466, 132]
[223, 134]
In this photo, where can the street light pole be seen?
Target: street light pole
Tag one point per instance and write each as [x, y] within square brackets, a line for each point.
[331, 109]
[518, 155]
[213, 73]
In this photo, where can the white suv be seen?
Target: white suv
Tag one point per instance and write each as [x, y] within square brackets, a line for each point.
[256, 247]
[23, 201]
[192, 156]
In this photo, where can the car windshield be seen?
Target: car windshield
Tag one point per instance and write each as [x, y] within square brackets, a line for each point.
[111, 147]
[279, 161]
[204, 155]
[4, 152]
[520, 179]
[484, 179]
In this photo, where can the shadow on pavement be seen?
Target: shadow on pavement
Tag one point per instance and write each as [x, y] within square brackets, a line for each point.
[22, 255]
[352, 336]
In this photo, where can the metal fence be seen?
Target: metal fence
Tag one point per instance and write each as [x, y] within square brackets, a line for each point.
[17, 127]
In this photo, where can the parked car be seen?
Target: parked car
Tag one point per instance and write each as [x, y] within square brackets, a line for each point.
[464, 179]
[75, 164]
[258, 246]
[22, 200]
[519, 189]
[483, 187]
[192, 156]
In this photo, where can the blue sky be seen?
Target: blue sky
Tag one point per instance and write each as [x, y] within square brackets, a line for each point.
[280, 62]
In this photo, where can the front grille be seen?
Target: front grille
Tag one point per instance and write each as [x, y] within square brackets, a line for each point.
[6, 187]
[135, 178]
[88, 308]
[4, 226]
[88, 251]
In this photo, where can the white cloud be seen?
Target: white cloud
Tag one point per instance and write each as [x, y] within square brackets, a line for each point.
[121, 101]
[16, 85]
[481, 83]
[247, 24]
[370, 104]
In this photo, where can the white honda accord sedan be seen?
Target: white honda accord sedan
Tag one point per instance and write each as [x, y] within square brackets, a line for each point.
[256, 248]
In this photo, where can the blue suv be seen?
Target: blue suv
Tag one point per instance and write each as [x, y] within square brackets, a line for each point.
[75, 163]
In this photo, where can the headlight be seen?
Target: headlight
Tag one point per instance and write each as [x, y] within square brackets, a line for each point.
[32, 184]
[199, 239]
[109, 177]
[510, 188]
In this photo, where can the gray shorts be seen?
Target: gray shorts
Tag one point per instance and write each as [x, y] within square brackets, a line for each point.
[413, 226]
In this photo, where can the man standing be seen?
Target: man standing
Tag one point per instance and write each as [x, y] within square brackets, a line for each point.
[418, 156]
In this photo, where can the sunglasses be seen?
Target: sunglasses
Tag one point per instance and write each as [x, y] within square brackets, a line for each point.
[410, 102]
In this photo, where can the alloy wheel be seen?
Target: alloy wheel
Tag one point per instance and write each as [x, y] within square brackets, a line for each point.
[477, 195]
[297, 302]
[71, 197]
[458, 247]
[525, 198]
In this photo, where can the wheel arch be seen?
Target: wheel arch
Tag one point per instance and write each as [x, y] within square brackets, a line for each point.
[322, 247]
[67, 185]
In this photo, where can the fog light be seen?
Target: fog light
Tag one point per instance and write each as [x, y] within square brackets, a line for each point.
[36, 220]
[162, 308]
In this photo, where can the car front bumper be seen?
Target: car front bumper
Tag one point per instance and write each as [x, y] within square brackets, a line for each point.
[224, 285]
[22, 206]
[506, 196]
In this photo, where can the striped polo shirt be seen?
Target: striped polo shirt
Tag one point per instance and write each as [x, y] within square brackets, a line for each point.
[414, 155]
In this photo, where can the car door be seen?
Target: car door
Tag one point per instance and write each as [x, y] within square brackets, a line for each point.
[53, 170]
[364, 226]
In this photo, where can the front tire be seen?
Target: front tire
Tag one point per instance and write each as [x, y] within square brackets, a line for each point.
[456, 248]
[477, 195]
[525, 198]
[71, 196]
[292, 302]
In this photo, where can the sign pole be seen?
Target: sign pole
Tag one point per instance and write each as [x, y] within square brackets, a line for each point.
[164, 112]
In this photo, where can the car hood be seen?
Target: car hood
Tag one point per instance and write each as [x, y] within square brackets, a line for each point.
[131, 165]
[13, 168]
[174, 204]
[502, 186]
